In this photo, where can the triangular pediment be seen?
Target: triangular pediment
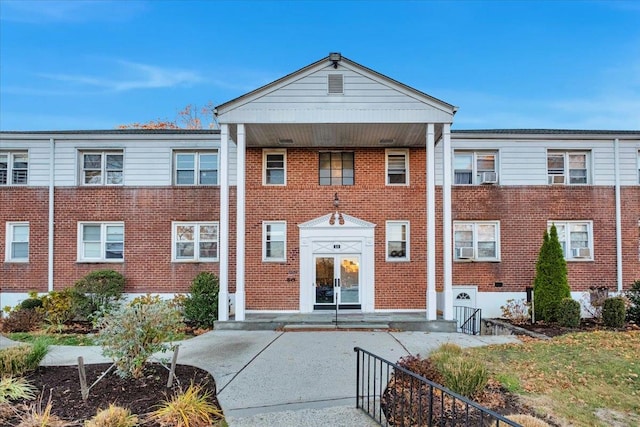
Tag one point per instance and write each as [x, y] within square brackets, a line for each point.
[336, 220]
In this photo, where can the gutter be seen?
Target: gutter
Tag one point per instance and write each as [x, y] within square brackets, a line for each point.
[616, 159]
[52, 152]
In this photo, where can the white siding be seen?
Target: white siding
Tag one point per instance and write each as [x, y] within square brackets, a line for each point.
[629, 163]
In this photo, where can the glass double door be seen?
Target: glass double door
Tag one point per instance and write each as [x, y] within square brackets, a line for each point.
[337, 281]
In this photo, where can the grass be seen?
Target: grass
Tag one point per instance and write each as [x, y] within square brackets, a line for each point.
[583, 379]
[52, 338]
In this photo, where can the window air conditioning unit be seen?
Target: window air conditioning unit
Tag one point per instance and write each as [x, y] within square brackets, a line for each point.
[556, 179]
[581, 252]
[465, 252]
[488, 177]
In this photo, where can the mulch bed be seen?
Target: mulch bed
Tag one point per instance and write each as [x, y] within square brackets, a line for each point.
[141, 396]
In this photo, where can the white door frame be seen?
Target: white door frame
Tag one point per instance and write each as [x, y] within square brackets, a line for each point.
[337, 234]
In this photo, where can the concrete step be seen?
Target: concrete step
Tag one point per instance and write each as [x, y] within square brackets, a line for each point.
[358, 326]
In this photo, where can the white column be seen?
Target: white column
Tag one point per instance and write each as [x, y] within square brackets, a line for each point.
[432, 299]
[446, 223]
[223, 296]
[240, 223]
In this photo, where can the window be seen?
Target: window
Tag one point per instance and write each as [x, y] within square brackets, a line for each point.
[14, 167]
[200, 168]
[101, 168]
[474, 168]
[575, 238]
[274, 167]
[274, 241]
[567, 167]
[479, 241]
[397, 167]
[195, 241]
[17, 242]
[397, 240]
[336, 168]
[101, 241]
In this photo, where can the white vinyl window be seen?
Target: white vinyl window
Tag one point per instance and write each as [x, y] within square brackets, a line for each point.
[576, 239]
[196, 168]
[568, 167]
[195, 241]
[101, 241]
[397, 241]
[17, 242]
[397, 167]
[274, 238]
[101, 168]
[477, 241]
[14, 167]
[474, 168]
[274, 167]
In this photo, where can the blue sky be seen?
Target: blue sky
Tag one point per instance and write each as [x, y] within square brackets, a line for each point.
[505, 64]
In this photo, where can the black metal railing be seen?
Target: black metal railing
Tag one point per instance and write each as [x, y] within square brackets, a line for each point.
[468, 319]
[395, 396]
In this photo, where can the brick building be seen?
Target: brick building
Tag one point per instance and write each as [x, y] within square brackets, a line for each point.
[332, 185]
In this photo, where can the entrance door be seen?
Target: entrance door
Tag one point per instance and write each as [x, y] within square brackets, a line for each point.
[337, 281]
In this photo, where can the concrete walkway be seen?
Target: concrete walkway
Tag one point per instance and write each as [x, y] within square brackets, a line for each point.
[268, 378]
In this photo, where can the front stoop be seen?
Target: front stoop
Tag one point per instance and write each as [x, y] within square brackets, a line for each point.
[388, 323]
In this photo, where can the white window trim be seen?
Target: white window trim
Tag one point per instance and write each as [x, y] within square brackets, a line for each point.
[265, 153]
[392, 152]
[9, 241]
[475, 258]
[569, 256]
[196, 225]
[103, 166]
[566, 171]
[407, 256]
[264, 242]
[10, 155]
[474, 165]
[103, 242]
[196, 171]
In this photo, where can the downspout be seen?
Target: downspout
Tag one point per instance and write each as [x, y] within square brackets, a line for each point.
[616, 159]
[52, 161]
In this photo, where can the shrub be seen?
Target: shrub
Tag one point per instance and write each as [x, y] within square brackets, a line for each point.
[37, 416]
[17, 361]
[191, 408]
[516, 311]
[23, 320]
[444, 353]
[464, 376]
[57, 307]
[97, 292]
[550, 284]
[614, 312]
[568, 313]
[527, 420]
[113, 416]
[12, 388]
[31, 303]
[423, 367]
[201, 305]
[132, 333]
[633, 294]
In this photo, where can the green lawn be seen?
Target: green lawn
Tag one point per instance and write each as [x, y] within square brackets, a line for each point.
[581, 379]
[51, 338]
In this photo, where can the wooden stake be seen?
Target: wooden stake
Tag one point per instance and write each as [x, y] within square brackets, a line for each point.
[84, 391]
[172, 372]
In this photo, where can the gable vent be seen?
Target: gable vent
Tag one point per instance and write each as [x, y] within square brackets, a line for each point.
[336, 83]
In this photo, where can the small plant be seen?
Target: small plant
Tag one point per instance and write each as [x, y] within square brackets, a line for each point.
[633, 295]
[57, 307]
[516, 311]
[423, 367]
[568, 313]
[614, 312]
[132, 333]
[97, 293]
[464, 376]
[12, 388]
[191, 408]
[527, 420]
[39, 416]
[201, 305]
[113, 416]
[18, 360]
[23, 320]
[444, 353]
[594, 311]
[31, 303]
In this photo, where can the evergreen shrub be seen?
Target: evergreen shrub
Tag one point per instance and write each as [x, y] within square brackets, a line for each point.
[614, 312]
[550, 285]
[201, 305]
[97, 293]
[633, 295]
[568, 313]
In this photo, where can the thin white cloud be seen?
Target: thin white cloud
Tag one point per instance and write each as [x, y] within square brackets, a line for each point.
[68, 11]
[133, 76]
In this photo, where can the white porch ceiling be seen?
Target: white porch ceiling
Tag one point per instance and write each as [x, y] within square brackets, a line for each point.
[339, 135]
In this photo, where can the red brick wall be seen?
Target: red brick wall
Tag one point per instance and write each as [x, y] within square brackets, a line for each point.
[147, 213]
[25, 204]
